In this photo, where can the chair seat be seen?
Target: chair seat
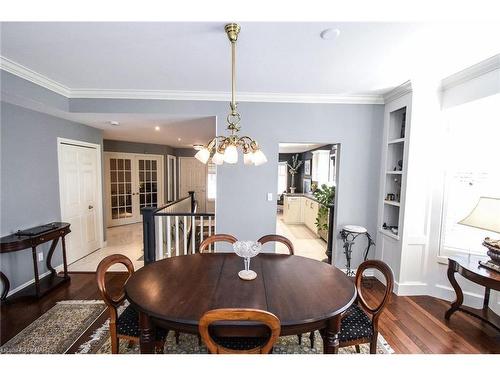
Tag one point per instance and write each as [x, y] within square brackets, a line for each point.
[128, 325]
[240, 343]
[355, 325]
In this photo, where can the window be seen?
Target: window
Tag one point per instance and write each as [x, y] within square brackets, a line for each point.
[471, 170]
[321, 167]
[332, 174]
[211, 182]
[282, 177]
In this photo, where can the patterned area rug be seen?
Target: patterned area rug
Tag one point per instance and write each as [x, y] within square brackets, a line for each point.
[188, 344]
[56, 330]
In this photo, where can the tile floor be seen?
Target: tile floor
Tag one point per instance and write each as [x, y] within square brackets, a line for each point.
[305, 242]
[125, 239]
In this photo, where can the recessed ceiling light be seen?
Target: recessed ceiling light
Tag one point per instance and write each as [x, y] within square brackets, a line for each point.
[114, 123]
[179, 139]
[197, 147]
[157, 128]
[329, 34]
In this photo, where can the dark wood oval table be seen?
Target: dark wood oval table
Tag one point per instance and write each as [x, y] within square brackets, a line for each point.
[303, 293]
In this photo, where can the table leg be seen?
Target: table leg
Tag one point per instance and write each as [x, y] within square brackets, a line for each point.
[486, 301]
[458, 291]
[49, 256]
[65, 262]
[331, 335]
[147, 334]
[35, 268]
[6, 286]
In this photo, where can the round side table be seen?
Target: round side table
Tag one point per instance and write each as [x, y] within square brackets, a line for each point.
[348, 234]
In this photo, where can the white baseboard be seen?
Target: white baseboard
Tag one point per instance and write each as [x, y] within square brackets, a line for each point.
[447, 293]
[410, 289]
[59, 268]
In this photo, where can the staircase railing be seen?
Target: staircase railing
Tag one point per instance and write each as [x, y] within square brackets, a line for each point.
[175, 229]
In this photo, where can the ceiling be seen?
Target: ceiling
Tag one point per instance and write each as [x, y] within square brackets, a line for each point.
[292, 148]
[284, 57]
[175, 131]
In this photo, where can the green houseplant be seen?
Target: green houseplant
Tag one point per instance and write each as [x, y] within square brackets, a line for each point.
[325, 196]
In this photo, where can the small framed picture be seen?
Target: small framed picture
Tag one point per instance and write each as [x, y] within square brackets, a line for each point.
[307, 167]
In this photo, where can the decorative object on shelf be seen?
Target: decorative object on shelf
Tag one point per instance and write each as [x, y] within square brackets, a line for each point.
[490, 264]
[486, 215]
[390, 197]
[403, 125]
[247, 250]
[225, 149]
[307, 186]
[348, 234]
[391, 228]
[293, 169]
[307, 167]
[325, 195]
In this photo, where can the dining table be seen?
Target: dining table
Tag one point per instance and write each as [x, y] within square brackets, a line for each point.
[305, 294]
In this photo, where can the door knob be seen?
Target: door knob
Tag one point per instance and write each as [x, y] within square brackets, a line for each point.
[90, 207]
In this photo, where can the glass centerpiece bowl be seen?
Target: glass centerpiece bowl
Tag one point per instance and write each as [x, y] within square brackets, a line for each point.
[247, 250]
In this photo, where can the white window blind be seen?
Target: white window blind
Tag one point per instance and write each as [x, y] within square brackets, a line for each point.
[471, 170]
[282, 177]
[211, 182]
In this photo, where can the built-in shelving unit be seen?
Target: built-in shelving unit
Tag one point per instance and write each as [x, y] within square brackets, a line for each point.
[394, 172]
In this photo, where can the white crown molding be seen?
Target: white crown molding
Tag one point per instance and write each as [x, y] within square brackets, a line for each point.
[398, 92]
[32, 76]
[39, 79]
[474, 71]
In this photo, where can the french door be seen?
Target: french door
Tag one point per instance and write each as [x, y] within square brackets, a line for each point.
[133, 181]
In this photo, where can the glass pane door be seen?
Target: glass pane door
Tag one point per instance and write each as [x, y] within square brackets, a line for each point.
[120, 177]
[148, 182]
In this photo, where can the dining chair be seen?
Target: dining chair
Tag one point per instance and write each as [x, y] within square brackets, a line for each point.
[359, 325]
[205, 245]
[277, 238]
[126, 325]
[239, 345]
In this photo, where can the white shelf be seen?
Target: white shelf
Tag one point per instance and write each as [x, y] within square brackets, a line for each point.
[398, 140]
[392, 203]
[388, 233]
[394, 172]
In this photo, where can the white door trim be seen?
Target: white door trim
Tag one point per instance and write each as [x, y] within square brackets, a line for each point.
[97, 147]
[174, 192]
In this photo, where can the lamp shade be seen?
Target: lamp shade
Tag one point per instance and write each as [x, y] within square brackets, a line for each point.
[248, 158]
[231, 154]
[259, 158]
[486, 215]
[218, 158]
[203, 155]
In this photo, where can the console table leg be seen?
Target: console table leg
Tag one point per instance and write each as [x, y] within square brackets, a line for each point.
[49, 256]
[486, 301]
[458, 291]
[147, 334]
[331, 336]
[6, 286]
[65, 262]
[35, 268]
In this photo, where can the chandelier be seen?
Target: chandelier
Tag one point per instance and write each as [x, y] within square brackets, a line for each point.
[225, 149]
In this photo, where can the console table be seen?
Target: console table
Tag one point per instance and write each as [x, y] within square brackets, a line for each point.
[471, 270]
[31, 238]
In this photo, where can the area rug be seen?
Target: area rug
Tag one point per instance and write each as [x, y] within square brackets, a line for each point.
[56, 330]
[100, 343]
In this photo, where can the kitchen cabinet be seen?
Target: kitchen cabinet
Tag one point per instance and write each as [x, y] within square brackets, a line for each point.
[301, 210]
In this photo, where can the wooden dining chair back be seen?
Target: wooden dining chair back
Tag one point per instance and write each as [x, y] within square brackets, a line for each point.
[239, 345]
[126, 325]
[277, 238]
[360, 323]
[205, 245]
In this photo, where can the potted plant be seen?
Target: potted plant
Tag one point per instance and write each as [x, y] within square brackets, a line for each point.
[325, 196]
[293, 170]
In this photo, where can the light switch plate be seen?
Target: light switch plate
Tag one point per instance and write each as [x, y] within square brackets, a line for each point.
[269, 197]
[40, 257]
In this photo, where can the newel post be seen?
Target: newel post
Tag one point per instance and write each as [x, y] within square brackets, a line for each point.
[149, 238]
[331, 234]
[191, 194]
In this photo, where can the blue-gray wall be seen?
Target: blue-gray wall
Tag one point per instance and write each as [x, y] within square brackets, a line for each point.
[29, 185]
[242, 208]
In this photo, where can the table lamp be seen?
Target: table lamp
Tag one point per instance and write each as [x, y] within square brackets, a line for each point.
[486, 215]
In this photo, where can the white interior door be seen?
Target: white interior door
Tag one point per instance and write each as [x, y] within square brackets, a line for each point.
[80, 188]
[133, 181]
[193, 177]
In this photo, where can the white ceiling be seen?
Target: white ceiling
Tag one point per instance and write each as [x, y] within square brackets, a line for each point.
[292, 148]
[366, 59]
[141, 128]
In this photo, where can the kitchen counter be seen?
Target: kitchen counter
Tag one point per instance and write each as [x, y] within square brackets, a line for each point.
[309, 196]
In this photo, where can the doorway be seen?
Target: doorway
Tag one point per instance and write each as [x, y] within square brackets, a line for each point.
[193, 176]
[133, 181]
[80, 190]
[307, 178]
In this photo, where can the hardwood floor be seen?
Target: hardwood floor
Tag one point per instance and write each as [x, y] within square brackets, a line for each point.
[409, 324]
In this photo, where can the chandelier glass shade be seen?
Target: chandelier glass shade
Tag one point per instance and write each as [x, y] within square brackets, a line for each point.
[224, 149]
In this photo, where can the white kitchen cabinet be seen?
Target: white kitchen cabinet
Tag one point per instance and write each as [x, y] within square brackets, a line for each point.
[310, 214]
[292, 210]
